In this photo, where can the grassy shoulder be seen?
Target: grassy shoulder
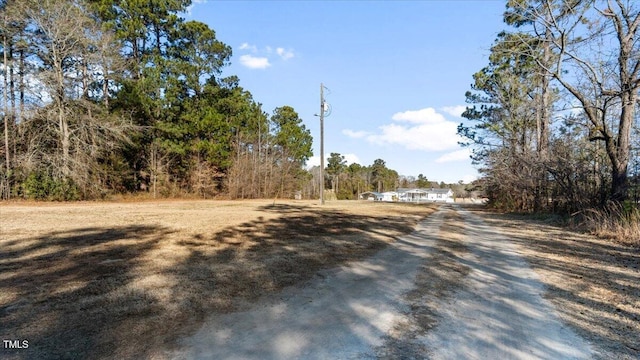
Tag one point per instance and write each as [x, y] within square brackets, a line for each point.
[123, 280]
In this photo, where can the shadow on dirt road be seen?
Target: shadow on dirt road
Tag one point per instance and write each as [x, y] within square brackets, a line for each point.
[594, 283]
[499, 312]
[492, 308]
[343, 313]
[130, 291]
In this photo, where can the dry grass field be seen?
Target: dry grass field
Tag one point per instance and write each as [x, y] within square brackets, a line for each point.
[126, 280]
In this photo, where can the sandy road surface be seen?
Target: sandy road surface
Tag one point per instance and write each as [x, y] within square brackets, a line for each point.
[349, 312]
[499, 312]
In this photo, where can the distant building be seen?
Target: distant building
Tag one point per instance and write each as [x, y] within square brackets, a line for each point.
[371, 196]
[425, 195]
[390, 196]
[411, 195]
[376, 196]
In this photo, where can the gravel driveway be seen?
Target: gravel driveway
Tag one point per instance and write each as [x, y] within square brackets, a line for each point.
[499, 312]
[496, 311]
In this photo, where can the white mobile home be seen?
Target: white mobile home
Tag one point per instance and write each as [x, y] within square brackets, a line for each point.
[425, 195]
[390, 196]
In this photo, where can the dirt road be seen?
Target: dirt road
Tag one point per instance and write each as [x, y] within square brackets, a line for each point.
[499, 312]
[364, 310]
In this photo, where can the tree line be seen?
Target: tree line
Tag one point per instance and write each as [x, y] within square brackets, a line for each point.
[347, 182]
[553, 117]
[103, 97]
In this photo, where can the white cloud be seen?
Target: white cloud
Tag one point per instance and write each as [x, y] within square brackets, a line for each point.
[253, 62]
[261, 57]
[422, 116]
[351, 158]
[468, 179]
[247, 46]
[454, 110]
[428, 130]
[355, 134]
[189, 8]
[284, 54]
[423, 137]
[313, 161]
[458, 155]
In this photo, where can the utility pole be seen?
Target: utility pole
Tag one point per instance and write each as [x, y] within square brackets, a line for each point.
[6, 111]
[321, 144]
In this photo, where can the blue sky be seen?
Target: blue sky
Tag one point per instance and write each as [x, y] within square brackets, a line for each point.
[396, 72]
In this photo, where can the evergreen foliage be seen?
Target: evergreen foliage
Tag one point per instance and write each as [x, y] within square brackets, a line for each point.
[131, 98]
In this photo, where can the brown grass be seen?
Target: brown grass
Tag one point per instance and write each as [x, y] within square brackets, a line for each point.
[594, 283]
[614, 222]
[126, 280]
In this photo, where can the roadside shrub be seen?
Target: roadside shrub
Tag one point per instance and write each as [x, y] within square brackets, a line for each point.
[615, 221]
[42, 186]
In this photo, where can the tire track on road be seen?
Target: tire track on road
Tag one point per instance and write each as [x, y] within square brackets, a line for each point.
[499, 312]
[437, 279]
[344, 313]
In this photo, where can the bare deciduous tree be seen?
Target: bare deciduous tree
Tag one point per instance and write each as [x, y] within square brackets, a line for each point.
[596, 46]
[75, 54]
